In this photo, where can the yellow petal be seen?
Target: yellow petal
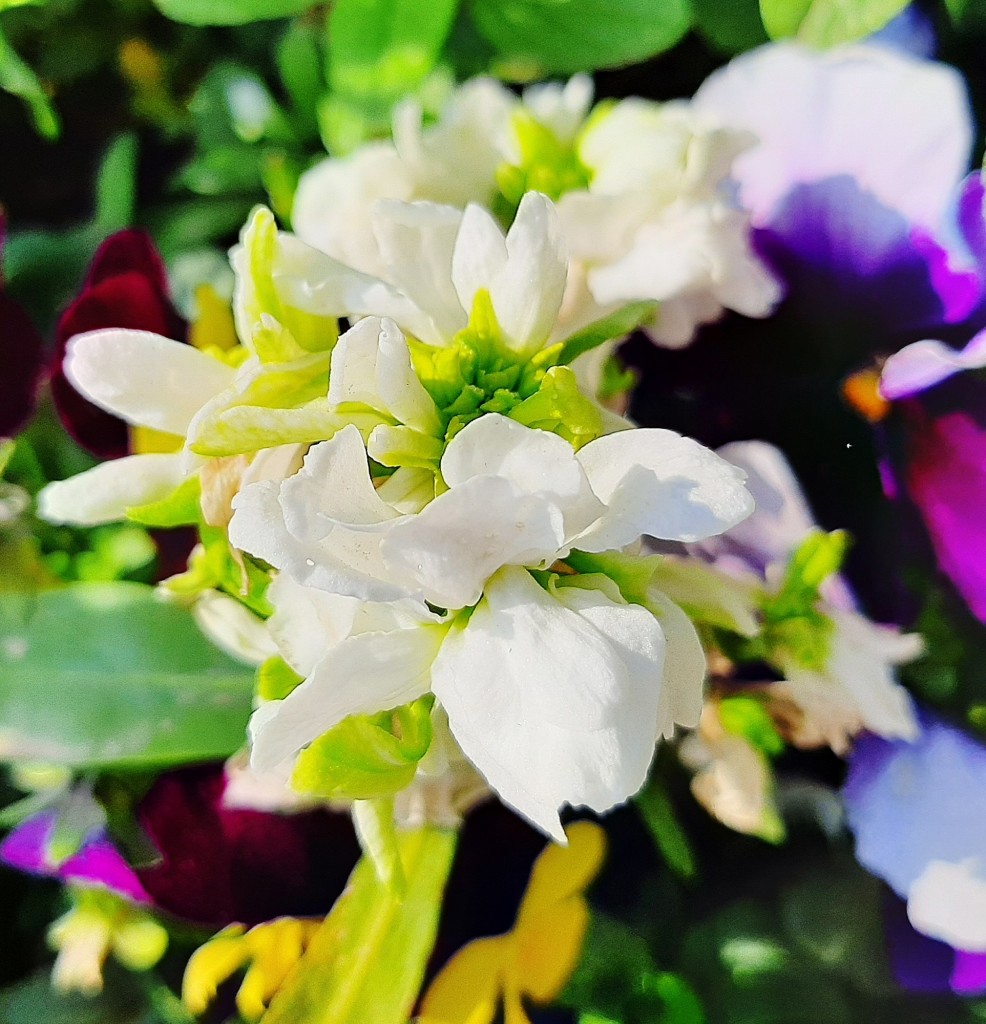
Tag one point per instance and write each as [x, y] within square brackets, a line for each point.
[548, 948]
[563, 871]
[210, 965]
[469, 987]
[213, 327]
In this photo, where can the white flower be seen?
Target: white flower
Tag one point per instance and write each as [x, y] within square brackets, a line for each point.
[856, 688]
[452, 162]
[555, 692]
[641, 190]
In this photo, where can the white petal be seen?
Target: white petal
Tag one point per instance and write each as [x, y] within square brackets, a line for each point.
[480, 254]
[452, 547]
[534, 461]
[333, 486]
[104, 493]
[233, 627]
[527, 292]
[365, 673]
[342, 562]
[948, 902]
[553, 700]
[371, 364]
[900, 126]
[307, 622]
[658, 483]
[417, 240]
[144, 378]
[684, 666]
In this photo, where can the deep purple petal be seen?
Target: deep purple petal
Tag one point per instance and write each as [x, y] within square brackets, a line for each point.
[919, 963]
[945, 476]
[859, 266]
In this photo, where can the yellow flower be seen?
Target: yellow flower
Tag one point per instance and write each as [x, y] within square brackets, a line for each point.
[271, 950]
[536, 958]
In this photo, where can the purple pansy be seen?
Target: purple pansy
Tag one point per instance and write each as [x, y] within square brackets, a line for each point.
[918, 812]
[939, 415]
[96, 863]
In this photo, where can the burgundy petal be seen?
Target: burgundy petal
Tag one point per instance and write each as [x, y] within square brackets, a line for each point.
[126, 287]
[221, 865]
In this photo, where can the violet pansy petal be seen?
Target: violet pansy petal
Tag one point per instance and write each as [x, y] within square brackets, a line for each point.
[97, 863]
[926, 363]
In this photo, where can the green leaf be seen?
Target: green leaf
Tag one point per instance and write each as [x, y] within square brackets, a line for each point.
[367, 961]
[19, 80]
[732, 26]
[659, 816]
[825, 23]
[385, 48]
[230, 12]
[116, 185]
[539, 37]
[366, 756]
[109, 674]
[377, 833]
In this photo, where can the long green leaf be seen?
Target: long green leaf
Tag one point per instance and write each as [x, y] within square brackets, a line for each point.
[366, 963]
[109, 674]
[230, 12]
[17, 78]
[538, 37]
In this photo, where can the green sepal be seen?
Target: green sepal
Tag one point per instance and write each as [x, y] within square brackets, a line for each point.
[367, 961]
[377, 834]
[276, 679]
[632, 574]
[366, 756]
[212, 566]
[560, 407]
[180, 508]
[748, 718]
[610, 328]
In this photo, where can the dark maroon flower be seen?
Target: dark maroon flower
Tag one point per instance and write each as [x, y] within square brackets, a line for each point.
[126, 287]
[221, 864]
[22, 352]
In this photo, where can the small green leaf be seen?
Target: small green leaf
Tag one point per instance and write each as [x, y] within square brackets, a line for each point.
[230, 12]
[659, 816]
[534, 38]
[825, 23]
[19, 80]
[109, 674]
[382, 49]
[366, 756]
[731, 26]
[116, 185]
[367, 961]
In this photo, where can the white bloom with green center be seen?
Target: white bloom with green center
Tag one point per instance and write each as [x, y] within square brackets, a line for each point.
[641, 189]
[555, 686]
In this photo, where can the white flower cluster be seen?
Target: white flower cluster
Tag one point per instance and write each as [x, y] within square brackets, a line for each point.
[641, 189]
[448, 529]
